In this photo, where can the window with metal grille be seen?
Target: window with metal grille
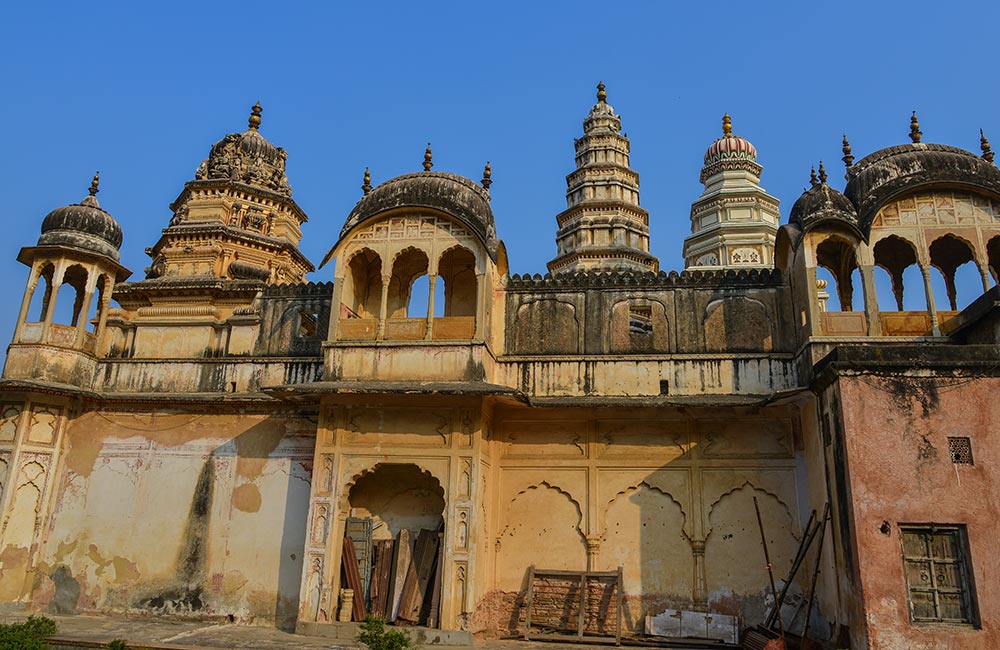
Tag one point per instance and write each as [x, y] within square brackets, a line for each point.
[960, 449]
[938, 572]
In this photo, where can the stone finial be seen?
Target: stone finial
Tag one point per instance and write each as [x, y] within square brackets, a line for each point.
[428, 162]
[822, 173]
[367, 187]
[602, 96]
[487, 176]
[984, 146]
[812, 177]
[96, 181]
[254, 120]
[848, 156]
[727, 126]
[915, 132]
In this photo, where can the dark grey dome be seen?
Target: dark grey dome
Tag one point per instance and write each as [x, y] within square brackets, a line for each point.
[878, 177]
[822, 203]
[452, 194]
[83, 225]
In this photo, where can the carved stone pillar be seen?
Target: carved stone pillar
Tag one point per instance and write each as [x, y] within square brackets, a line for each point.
[593, 553]
[102, 313]
[931, 309]
[431, 284]
[50, 308]
[338, 293]
[383, 308]
[871, 300]
[480, 331]
[29, 292]
[700, 596]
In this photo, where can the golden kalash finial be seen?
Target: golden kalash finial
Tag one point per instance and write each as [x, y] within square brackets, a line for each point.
[427, 158]
[812, 177]
[915, 132]
[984, 146]
[94, 183]
[822, 173]
[487, 176]
[367, 187]
[601, 95]
[255, 112]
[848, 156]
[727, 126]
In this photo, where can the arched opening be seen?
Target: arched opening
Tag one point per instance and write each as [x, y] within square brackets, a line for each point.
[993, 257]
[419, 294]
[407, 313]
[955, 260]
[894, 255]
[406, 268]
[69, 304]
[842, 309]
[41, 295]
[396, 524]
[837, 256]
[363, 286]
[457, 267]
[97, 305]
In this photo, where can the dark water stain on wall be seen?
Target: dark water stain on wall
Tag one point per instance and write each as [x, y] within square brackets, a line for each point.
[67, 592]
[185, 594]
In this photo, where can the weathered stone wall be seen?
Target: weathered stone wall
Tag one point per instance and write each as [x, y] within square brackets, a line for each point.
[666, 494]
[694, 312]
[183, 513]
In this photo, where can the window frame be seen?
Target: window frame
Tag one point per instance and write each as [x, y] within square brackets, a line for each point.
[966, 575]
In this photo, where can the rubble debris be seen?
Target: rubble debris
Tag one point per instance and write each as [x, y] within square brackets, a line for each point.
[676, 623]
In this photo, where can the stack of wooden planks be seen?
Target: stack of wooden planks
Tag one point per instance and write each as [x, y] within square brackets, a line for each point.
[405, 579]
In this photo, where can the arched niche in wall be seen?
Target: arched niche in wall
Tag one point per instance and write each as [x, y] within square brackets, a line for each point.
[546, 326]
[639, 326]
[738, 324]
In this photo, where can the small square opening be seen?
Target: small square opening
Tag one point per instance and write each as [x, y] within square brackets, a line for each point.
[960, 448]
[640, 320]
[308, 322]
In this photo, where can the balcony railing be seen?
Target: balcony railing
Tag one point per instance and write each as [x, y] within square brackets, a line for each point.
[446, 328]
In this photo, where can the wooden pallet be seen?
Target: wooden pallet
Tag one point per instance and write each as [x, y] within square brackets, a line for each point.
[573, 605]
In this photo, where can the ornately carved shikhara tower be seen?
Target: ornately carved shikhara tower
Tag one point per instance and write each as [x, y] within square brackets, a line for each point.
[603, 227]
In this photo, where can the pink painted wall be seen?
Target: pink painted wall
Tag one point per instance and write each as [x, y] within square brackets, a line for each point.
[900, 471]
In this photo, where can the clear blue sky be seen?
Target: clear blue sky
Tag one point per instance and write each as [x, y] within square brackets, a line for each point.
[141, 90]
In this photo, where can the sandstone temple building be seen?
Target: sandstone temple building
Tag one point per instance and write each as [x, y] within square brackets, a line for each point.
[196, 438]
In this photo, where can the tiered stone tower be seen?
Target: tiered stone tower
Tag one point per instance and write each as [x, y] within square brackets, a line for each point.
[236, 219]
[603, 227]
[734, 221]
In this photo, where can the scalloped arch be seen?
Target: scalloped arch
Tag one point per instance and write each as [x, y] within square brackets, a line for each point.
[747, 483]
[345, 501]
[632, 489]
[551, 486]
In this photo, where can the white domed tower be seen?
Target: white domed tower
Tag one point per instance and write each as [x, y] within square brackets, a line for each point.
[77, 252]
[603, 227]
[734, 221]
